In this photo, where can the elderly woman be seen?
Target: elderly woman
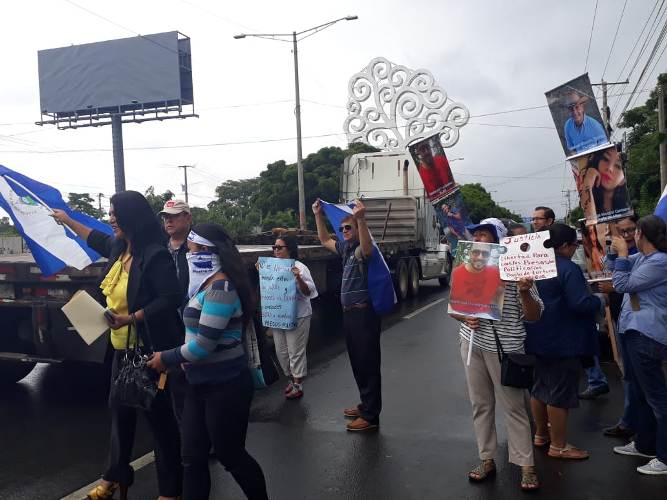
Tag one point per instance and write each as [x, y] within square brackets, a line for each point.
[642, 325]
[521, 303]
[564, 334]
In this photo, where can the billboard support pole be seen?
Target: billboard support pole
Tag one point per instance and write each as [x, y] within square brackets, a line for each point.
[118, 156]
[663, 142]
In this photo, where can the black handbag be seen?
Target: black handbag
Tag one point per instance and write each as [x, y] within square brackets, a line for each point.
[516, 369]
[136, 384]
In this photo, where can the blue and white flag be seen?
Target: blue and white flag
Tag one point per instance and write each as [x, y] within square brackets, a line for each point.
[661, 207]
[30, 203]
[380, 286]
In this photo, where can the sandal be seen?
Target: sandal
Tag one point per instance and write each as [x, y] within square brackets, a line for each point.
[529, 481]
[483, 471]
[569, 452]
[541, 441]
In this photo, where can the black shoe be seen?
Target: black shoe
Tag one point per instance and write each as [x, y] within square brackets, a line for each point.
[618, 432]
[594, 392]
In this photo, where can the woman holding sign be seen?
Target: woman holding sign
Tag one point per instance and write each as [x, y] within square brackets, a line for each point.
[291, 344]
[220, 387]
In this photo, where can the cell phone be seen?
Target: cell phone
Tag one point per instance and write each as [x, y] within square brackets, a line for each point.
[109, 314]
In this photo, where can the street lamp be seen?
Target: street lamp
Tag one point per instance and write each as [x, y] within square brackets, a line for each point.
[282, 38]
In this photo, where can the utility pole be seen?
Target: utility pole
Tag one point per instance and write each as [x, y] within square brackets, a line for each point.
[299, 154]
[568, 204]
[663, 139]
[606, 119]
[185, 178]
[99, 204]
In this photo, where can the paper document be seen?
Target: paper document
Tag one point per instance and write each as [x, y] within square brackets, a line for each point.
[86, 316]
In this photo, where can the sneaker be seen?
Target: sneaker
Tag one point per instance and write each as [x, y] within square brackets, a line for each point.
[655, 468]
[618, 432]
[296, 392]
[361, 425]
[594, 392]
[631, 449]
[352, 412]
[289, 387]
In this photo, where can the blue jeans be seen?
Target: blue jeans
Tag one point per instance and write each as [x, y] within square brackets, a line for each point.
[650, 400]
[595, 375]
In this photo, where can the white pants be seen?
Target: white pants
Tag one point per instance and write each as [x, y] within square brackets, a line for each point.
[291, 348]
[484, 387]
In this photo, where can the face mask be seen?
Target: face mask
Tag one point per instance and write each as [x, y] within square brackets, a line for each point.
[201, 266]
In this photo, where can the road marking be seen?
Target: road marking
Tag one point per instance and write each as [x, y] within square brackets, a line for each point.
[422, 309]
[138, 464]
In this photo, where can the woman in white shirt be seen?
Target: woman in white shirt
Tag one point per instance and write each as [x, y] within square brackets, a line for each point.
[291, 344]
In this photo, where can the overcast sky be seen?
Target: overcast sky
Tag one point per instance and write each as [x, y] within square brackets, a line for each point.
[491, 56]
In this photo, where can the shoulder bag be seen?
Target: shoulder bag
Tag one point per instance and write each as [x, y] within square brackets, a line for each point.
[516, 368]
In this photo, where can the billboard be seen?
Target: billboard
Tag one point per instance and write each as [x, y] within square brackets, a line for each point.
[116, 76]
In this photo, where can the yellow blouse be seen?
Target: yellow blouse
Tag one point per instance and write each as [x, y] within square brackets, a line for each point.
[114, 287]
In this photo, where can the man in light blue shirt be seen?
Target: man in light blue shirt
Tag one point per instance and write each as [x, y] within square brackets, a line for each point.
[581, 131]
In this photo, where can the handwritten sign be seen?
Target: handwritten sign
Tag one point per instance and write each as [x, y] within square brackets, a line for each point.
[277, 288]
[526, 257]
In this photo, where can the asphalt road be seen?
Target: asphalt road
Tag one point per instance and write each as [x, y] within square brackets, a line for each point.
[54, 430]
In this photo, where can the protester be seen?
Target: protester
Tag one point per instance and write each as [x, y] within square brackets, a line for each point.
[361, 323]
[521, 303]
[220, 386]
[565, 332]
[623, 429]
[643, 279]
[542, 218]
[141, 288]
[581, 131]
[177, 221]
[291, 344]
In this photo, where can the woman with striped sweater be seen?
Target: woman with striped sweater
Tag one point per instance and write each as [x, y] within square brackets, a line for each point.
[220, 387]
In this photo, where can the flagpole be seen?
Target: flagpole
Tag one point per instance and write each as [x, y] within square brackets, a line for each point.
[38, 199]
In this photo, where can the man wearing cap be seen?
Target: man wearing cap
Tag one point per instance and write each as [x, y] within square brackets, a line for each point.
[581, 131]
[521, 303]
[177, 221]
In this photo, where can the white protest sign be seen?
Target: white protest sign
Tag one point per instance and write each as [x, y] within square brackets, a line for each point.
[526, 257]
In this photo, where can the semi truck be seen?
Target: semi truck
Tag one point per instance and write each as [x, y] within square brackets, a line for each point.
[33, 329]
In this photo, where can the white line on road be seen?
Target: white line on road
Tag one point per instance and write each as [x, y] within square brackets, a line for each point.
[422, 309]
[138, 464]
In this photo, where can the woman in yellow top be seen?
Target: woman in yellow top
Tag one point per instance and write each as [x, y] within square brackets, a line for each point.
[141, 287]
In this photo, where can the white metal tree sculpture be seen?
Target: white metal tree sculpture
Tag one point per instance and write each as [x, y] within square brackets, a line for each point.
[390, 106]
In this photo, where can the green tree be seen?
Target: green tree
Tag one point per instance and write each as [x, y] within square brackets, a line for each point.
[575, 215]
[157, 201]
[643, 152]
[480, 205]
[6, 228]
[83, 202]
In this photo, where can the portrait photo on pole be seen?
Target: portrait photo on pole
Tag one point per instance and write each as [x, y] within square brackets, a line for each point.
[577, 116]
[601, 180]
[433, 167]
[594, 242]
[476, 287]
[453, 218]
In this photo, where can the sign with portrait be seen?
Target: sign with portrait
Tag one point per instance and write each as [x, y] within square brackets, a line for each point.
[433, 167]
[476, 287]
[277, 288]
[526, 257]
[453, 218]
[576, 116]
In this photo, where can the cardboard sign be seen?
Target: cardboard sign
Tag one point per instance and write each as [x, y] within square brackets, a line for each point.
[277, 287]
[476, 287]
[526, 257]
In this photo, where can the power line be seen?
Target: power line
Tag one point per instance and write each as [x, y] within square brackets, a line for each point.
[590, 39]
[618, 26]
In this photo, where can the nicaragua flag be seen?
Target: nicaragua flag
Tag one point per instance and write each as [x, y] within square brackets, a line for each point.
[380, 287]
[29, 203]
[661, 207]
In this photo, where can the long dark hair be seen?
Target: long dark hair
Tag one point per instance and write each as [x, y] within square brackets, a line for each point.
[292, 245]
[620, 196]
[231, 263]
[654, 229]
[137, 220]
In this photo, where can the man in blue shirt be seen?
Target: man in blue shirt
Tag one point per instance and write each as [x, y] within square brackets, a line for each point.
[581, 131]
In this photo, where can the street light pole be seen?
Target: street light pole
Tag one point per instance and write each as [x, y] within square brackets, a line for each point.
[297, 110]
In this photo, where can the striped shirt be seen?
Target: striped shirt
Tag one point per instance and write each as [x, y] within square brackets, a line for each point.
[354, 286]
[213, 349]
[510, 329]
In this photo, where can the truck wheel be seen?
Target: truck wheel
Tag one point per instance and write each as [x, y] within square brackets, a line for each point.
[413, 277]
[401, 282]
[13, 371]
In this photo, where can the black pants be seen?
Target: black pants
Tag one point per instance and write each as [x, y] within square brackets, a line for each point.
[218, 414]
[178, 386]
[166, 439]
[362, 336]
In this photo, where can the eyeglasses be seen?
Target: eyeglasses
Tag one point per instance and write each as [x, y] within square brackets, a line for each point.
[278, 247]
[483, 253]
[538, 218]
[346, 227]
[628, 231]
